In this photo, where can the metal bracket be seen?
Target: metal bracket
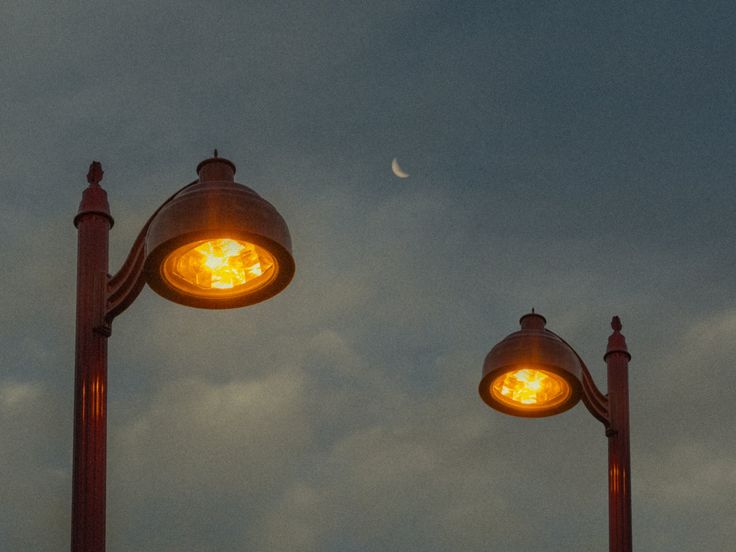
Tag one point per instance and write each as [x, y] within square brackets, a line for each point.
[101, 325]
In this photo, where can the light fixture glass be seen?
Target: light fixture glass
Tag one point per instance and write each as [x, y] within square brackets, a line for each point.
[530, 388]
[220, 267]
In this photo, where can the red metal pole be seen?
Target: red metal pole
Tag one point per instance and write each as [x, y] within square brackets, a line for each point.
[619, 459]
[93, 222]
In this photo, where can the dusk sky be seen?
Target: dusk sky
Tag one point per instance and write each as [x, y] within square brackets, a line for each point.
[578, 158]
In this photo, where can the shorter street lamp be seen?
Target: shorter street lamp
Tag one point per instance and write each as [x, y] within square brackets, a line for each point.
[534, 373]
[214, 244]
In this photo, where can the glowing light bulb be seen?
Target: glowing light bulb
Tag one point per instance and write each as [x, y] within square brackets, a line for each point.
[219, 268]
[530, 388]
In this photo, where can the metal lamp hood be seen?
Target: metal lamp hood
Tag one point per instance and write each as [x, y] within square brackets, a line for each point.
[212, 209]
[535, 354]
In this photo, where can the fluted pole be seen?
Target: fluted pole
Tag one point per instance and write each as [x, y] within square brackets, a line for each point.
[93, 222]
[619, 459]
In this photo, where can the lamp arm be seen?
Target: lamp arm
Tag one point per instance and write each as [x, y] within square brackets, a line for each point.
[594, 399]
[127, 283]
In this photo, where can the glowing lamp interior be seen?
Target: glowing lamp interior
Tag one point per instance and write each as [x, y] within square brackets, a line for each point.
[219, 268]
[530, 389]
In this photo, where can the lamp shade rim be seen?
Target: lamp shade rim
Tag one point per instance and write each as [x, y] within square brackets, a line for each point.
[154, 271]
[571, 398]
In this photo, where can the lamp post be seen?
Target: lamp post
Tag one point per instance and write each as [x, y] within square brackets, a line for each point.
[534, 372]
[213, 244]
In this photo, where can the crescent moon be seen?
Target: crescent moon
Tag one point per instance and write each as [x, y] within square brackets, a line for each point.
[398, 171]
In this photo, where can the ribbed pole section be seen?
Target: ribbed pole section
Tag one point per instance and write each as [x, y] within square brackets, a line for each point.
[619, 459]
[93, 222]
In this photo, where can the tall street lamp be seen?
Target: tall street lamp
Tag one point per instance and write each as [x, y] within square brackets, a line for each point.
[214, 244]
[534, 372]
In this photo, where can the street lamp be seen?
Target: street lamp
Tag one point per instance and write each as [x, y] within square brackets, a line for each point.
[534, 373]
[214, 244]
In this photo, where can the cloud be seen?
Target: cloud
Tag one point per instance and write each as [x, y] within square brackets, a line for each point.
[214, 436]
[200, 449]
[34, 478]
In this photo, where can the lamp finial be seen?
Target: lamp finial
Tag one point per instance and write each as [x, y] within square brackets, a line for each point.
[616, 341]
[94, 175]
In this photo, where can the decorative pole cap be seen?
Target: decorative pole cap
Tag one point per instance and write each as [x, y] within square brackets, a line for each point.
[616, 341]
[94, 175]
[94, 197]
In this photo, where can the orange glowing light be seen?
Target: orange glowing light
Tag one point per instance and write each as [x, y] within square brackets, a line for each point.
[221, 267]
[530, 388]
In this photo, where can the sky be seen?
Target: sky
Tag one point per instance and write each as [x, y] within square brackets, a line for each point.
[576, 157]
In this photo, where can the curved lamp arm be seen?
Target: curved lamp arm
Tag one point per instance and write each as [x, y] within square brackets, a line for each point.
[127, 283]
[594, 399]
